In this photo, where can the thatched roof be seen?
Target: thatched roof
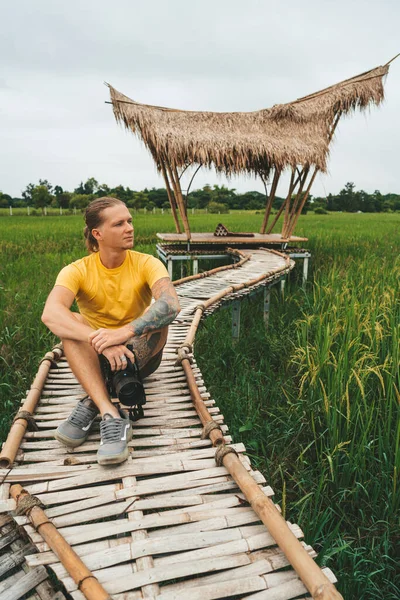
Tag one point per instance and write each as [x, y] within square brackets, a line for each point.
[296, 133]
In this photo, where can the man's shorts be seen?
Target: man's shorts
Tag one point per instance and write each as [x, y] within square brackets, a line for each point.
[152, 365]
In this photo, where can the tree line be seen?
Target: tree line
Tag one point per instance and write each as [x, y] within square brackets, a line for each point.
[214, 198]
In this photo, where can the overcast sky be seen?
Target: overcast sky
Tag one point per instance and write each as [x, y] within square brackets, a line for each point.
[236, 55]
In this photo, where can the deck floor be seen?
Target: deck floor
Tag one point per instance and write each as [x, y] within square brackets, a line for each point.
[256, 239]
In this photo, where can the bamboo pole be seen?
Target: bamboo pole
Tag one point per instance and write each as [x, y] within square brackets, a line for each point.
[309, 572]
[185, 220]
[292, 225]
[278, 214]
[305, 173]
[178, 196]
[303, 178]
[292, 186]
[83, 577]
[316, 170]
[20, 424]
[171, 199]
[270, 200]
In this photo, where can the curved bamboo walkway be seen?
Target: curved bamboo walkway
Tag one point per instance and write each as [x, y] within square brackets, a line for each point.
[168, 523]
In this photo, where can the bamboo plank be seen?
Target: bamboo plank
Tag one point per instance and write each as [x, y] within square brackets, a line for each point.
[23, 585]
[122, 579]
[268, 561]
[13, 558]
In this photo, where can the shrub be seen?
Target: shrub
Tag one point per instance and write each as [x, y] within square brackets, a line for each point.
[320, 211]
[217, 207]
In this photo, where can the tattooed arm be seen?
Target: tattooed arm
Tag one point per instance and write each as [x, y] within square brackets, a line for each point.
[159, 315]
[162, 312]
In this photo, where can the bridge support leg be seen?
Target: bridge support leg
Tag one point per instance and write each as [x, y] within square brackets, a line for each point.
[195, 266]
[267, 304]
[283, 283]
[305, 271]
[170, 267]
[236, 319]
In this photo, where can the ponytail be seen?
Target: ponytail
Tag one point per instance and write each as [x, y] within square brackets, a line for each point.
[94, 218]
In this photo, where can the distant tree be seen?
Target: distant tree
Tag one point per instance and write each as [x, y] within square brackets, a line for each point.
[64, 199]
[87, 188]
[217, 207]
[158, 196]
[250, 201]
[5, 200]
[18, 202]
[27, 193]
[348, 200]
[138, 200]
[200, 198]
[46, 184]
[41, 196]
[124, 194]
[57, 191]
[80, 200]
[103, 190]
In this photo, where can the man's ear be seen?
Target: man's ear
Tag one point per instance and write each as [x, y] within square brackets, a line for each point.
[96, 233]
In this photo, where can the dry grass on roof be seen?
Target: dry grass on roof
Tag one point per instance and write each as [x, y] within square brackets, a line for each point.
[296, 133]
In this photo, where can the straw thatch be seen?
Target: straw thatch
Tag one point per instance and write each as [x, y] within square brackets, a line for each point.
[286, 135]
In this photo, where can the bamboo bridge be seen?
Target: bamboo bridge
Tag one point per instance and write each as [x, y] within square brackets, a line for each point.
[185, 517]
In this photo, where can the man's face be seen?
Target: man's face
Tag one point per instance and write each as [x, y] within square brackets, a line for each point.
[116, 231]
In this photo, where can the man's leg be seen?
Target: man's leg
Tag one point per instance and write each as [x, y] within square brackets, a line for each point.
[115, 428]
[85, 365]
[148, 350]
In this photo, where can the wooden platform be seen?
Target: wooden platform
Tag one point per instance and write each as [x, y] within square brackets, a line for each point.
[168, 523]
[274, 239]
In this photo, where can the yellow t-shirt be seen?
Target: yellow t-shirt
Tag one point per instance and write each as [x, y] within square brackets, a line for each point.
[112, 298]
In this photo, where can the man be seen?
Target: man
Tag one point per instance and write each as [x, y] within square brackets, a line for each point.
[113, 287]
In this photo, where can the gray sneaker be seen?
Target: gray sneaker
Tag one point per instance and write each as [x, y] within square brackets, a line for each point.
[74, 430]
[115, 434]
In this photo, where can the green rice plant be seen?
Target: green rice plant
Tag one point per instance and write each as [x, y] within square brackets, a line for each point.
[315, 398]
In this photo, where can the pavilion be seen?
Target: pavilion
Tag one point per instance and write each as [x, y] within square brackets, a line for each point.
[293, 137]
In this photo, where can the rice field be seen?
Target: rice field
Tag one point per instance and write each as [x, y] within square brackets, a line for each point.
[315, 398]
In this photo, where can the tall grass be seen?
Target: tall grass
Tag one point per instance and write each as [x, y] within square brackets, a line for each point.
[315, 398]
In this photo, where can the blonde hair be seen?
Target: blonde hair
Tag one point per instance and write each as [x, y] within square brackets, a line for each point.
[94, 218]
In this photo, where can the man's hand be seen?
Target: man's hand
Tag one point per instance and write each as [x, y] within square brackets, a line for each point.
[115, 355]
[105, 338]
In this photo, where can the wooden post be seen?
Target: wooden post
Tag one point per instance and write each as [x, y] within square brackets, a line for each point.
[179, 200]
[284, 204]
[304, 200]
[267, 306]
[170, 267]
[305, 270]
[292, 185]
[270, 199]
[171, 199]
[302, 180]
[236, 319]
[296, 216]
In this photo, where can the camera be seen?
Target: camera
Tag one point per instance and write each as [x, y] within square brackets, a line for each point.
[126, 385]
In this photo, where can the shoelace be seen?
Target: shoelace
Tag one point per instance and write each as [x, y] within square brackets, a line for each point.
[111, 429]
[79, 415]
